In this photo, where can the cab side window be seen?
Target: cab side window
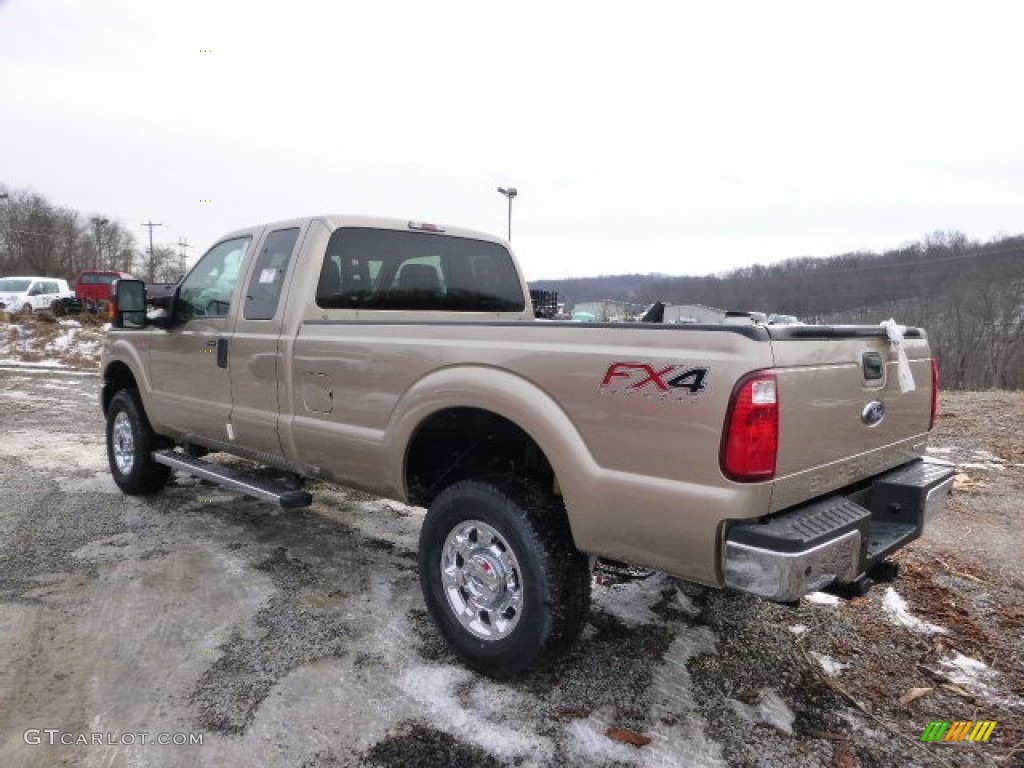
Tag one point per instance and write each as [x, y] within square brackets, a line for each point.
[264, 292]
[208, 288]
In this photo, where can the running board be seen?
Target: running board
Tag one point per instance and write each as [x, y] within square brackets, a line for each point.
[250, 485]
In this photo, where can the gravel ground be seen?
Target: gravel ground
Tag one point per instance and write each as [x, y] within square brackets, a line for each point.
[300, 638]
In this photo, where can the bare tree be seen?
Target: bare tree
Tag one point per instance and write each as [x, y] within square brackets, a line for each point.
[161, 266]
[39, 238]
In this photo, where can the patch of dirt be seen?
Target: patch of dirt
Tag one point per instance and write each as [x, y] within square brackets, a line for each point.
[426, 747]
[228, 694]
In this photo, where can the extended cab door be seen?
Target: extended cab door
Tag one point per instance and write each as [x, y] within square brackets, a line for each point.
[189, 361]
[254, 357]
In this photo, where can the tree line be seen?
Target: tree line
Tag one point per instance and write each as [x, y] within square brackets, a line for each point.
[968, 295]
[40, 238]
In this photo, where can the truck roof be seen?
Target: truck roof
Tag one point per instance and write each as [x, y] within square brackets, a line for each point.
[29, 277]
[335, 220]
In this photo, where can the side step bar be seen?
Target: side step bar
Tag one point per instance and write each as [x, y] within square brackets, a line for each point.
[250, 485]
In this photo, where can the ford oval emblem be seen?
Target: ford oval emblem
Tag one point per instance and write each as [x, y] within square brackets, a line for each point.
[873, 413]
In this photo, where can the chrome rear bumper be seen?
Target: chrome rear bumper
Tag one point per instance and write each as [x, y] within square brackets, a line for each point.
[836, 539]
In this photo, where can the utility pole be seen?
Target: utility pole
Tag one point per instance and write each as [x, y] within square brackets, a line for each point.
[151, 269]
[184, 246]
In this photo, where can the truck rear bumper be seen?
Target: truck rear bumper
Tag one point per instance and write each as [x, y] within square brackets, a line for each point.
[835, 539]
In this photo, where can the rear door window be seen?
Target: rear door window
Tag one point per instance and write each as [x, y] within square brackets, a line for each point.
[264, 291]
[367, 268]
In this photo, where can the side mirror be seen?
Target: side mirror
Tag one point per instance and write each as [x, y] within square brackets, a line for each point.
[129, 307]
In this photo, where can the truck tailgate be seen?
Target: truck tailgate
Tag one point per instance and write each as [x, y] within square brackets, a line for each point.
[843, 417]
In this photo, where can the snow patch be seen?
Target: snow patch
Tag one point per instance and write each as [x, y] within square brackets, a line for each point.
[822, 598]
[435, 689]
[587, 740]
[769, 710]
[10, 362]
[798, 629]
[898, 612]
[25, 367]
[686, 604]
[678, 730]
[968, 672]
[631, 601]
[44, 450]
[830, 665]
[61, 343]
[987, 456]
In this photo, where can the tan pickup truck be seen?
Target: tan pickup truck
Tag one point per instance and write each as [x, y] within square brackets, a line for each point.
[403, 359]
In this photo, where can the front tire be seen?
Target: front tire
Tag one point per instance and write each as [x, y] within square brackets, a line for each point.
[130, 445]
[501, 578]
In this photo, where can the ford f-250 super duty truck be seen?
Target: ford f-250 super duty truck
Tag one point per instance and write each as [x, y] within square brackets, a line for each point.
[403, 359]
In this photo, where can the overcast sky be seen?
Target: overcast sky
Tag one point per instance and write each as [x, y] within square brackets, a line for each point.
[672, 137]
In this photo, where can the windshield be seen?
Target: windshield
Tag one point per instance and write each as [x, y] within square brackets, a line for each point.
[97, 278]
[14, 285]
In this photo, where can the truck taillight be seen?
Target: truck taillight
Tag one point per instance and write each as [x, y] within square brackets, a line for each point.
[750, 440]
[935, 395]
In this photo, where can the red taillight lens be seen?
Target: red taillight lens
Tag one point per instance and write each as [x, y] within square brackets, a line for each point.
[935, 395]
[750, 442]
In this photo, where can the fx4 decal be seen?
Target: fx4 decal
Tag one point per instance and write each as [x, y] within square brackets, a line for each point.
[646, 379]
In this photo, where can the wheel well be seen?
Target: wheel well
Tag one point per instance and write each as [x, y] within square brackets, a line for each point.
[460, 443]
[117, 377]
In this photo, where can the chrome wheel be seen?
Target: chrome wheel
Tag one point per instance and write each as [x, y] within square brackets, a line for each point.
[482, 580]
[123, 443]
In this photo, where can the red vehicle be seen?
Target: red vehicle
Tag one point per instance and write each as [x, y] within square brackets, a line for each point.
[95, 287]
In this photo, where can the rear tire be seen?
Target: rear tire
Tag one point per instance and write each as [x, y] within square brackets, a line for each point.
[501, 578]
[130, 445]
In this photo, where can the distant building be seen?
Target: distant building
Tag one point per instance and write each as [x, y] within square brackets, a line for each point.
[693, 313]
[606, 311]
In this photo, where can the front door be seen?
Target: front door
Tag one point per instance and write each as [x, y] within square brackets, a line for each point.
[188, 363]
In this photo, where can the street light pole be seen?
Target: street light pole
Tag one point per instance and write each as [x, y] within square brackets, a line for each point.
[98, 225]
[509, 193]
